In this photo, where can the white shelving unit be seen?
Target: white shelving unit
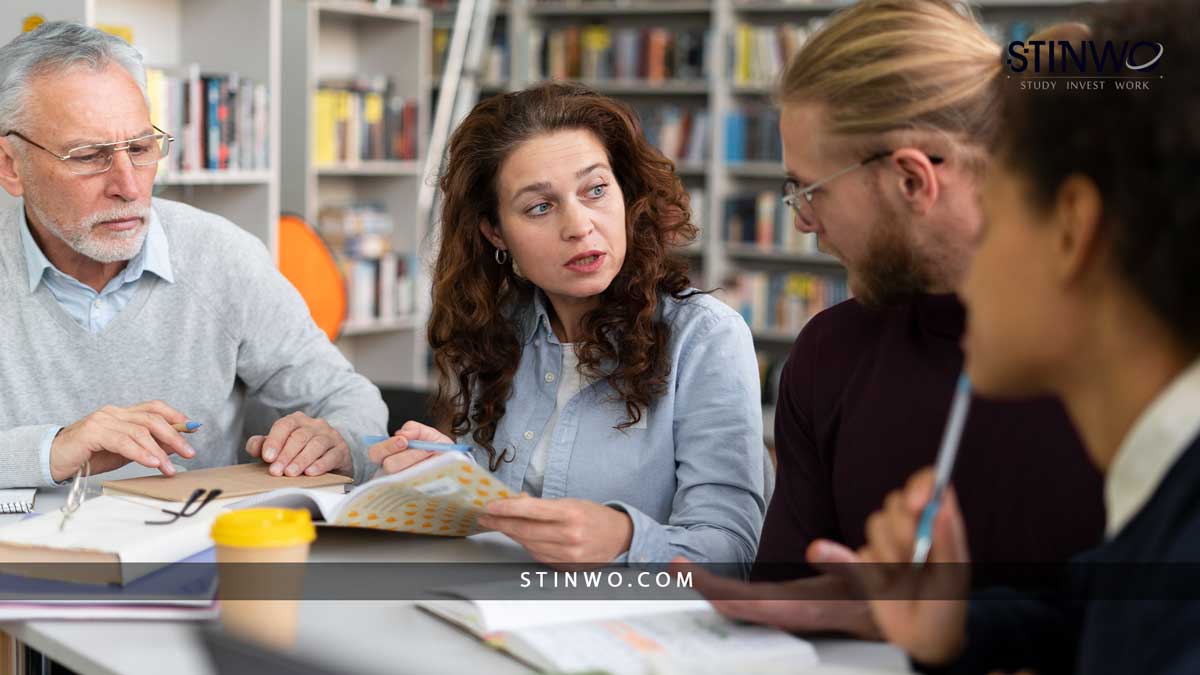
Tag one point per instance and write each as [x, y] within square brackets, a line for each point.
[221, 36]
[337, 40]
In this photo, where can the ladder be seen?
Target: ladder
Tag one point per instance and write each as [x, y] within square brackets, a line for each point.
[469, 40]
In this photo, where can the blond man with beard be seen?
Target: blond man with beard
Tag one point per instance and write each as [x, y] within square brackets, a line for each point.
[887, 116]
[126, 315]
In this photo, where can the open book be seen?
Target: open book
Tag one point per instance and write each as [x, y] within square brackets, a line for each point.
[625, 637]
[622, 637]
[443, 495]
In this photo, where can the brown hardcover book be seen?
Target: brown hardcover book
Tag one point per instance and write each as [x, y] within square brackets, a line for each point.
[239, 480]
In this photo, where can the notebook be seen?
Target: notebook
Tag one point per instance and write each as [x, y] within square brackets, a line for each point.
[238, 480]
[110, 534]
[624, 637]
[17, 500]
[183, 591]
[442, 496]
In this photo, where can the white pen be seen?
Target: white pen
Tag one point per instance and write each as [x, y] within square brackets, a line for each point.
[945, 465]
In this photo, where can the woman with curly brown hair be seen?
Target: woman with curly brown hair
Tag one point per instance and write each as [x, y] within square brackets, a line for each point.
[572, 354]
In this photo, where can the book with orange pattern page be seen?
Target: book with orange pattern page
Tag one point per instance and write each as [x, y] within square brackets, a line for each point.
[443, 495]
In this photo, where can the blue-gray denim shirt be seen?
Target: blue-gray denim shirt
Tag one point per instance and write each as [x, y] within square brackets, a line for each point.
[689, 474]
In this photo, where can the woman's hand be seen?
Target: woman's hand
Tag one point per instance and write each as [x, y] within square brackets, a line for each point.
[921, 610]
[562, 531]
[393, 455]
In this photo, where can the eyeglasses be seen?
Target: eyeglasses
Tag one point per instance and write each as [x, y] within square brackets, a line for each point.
[800, 199]
[77, 494]
[88, 160]
[208, 496]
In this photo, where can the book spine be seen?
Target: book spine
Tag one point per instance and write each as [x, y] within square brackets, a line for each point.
[212, 120]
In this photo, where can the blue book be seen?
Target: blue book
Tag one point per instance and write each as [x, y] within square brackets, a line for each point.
[212, 121]
[735, 137]
[191, 581]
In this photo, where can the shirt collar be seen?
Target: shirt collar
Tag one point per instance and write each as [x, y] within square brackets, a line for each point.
[154, 257]
[533, 315]
[1156, 441]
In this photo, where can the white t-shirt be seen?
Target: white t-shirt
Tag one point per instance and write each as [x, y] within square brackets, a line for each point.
[569, 384]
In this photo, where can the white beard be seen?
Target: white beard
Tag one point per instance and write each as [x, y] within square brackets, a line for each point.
[99, 245]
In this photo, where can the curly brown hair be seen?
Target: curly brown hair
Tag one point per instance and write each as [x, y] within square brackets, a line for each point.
[475, 341]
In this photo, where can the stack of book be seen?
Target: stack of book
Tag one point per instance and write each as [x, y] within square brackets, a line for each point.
[752, 135]
[782, 302]
[219, 121]
[363, 119]
[379, 281]
[680, 133]
[761, 220]
[761, 52]
[599, 53]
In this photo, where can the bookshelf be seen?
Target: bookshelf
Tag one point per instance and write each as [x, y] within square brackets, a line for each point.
[178, 35]
[357, 85]
[715, 178]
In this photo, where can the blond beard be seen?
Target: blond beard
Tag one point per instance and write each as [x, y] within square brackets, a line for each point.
[892, 268]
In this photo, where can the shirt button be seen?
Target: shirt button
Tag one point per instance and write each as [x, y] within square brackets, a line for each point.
[549, 377]
[529, 435]
[98, 303]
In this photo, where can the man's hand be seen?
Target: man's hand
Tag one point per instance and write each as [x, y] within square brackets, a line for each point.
[298, 444]
[112, 437]
[819, 604]
[562, 531]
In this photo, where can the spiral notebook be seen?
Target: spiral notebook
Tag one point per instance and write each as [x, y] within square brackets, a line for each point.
[17, 501]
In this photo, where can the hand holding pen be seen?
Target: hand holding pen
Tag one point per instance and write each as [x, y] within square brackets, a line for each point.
[921, 609]
[412, 443]
[108, 438]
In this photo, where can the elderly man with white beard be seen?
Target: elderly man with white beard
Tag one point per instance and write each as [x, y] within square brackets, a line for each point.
[123, 316]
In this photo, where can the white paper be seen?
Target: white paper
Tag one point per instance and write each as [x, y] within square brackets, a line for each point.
[494, 616]
[679, 642]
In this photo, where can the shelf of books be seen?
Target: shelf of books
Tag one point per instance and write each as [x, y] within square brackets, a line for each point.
[357, 84]
[212, 83]
[701, 76]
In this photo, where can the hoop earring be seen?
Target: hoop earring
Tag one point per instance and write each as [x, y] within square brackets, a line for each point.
[501, 257]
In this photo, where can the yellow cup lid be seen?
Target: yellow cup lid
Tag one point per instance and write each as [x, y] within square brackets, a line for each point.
[263, 528]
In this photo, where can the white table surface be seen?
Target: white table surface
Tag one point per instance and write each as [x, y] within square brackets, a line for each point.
[358, 636]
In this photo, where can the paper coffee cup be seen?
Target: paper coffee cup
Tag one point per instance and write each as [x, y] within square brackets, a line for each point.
[261, 552]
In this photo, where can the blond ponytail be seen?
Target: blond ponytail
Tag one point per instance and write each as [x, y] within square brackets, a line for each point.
[900, 65]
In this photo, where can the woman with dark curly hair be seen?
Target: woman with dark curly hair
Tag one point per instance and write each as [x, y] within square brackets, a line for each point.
[572, 354]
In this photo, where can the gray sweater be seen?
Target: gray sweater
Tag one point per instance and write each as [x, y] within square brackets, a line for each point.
[229, 328]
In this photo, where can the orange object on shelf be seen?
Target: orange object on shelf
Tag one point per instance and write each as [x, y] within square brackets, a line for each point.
[309, 264]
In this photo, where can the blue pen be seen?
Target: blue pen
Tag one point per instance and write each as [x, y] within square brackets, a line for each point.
[945, 465]
[421, 445]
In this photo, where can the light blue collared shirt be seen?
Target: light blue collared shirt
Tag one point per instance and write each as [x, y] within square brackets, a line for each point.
[91, 310]
[689, 474]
